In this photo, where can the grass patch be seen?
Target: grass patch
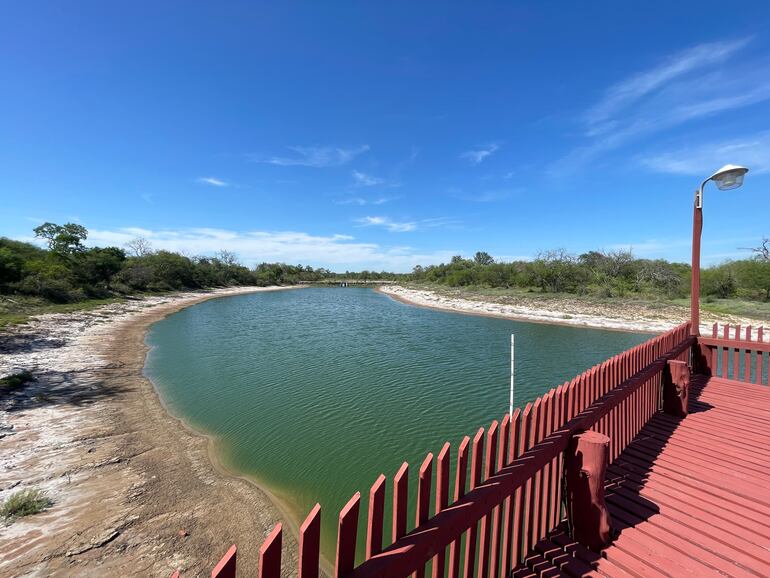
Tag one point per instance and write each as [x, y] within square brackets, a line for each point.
[737, 307]
[24, 503]
[15, 381]
[734, 306]
[18, 309]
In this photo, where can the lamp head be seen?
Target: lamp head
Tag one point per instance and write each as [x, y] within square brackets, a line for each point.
[729, 177]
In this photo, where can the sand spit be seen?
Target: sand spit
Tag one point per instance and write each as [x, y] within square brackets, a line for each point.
[616, 316]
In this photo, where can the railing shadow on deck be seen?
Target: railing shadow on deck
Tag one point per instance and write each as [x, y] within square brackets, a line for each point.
[627, 478]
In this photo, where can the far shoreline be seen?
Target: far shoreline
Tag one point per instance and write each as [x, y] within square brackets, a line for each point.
[623, 318]
[510, 317]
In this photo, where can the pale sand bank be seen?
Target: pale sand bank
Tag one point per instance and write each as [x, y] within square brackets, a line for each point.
[134, 492]
[574, 312]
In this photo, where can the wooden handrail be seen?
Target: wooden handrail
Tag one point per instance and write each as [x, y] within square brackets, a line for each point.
[410, 552]
[734, 344]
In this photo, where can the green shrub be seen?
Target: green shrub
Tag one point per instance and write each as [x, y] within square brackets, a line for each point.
[57, 290]
[24, 503]
[15, 381]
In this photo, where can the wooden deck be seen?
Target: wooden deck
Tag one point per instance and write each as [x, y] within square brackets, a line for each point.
[688, 497]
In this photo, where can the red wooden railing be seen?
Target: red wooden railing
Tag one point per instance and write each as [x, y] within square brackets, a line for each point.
[739, 354]
[514, 495]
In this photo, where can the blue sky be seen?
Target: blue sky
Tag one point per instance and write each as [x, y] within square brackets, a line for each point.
[381, 135]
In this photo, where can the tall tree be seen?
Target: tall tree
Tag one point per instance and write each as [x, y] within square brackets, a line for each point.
[483, 258]
[64, 239]
[139, 247]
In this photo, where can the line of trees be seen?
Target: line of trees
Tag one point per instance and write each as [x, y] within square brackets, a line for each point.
[605, 274]
[69, 271]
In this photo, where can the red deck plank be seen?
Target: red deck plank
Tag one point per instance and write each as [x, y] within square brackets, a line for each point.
[689, 497]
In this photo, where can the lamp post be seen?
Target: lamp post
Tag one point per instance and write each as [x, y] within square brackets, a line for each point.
[726, 178]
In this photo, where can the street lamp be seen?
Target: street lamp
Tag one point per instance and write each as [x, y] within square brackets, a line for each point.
[727, 178]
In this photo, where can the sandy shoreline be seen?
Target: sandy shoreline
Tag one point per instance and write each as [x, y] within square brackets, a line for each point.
[571, 312]
[134, 493]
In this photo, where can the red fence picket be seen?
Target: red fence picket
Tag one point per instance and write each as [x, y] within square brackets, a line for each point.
[376, 516]
[226, 566]
[346, 537]
[729, 366]
[270, 554]
[310, 544]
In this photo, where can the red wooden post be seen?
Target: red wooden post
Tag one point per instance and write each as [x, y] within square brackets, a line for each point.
[545, 486]
[442, 501]
[270, 554]
[226, 566]
[423, 489]
[511, 535]
[725, 351]
[310, 544]
[736, 355]
[758, 361]
[460, 479]
[346, 537]
[423, 498]
[534, 503]
[697, 229]
[521, 546]
[400, 497]
[558, 420]
[586, 465]
[486, 521]
[376, 515]
[714, 351]
[532, 518]
[747, 358]
[497, 523]
[477, 457]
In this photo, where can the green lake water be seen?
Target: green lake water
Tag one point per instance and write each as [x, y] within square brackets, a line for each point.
[316, 392]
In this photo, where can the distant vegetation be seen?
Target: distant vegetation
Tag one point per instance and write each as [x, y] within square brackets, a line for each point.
[69, 272]
[605, 274]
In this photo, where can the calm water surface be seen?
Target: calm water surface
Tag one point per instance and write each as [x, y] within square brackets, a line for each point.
[316, 392]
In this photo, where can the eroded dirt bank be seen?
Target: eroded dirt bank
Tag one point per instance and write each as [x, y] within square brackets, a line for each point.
[134, 492]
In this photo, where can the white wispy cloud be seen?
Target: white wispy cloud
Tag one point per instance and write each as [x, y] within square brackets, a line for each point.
[405, 226]
[389, 224]
[318, 157]
[214, 182]
[361, 201]
[338, 252]
[364, 180]
[700, 82]
[752, 151]
[476, 155]
[630, 90]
